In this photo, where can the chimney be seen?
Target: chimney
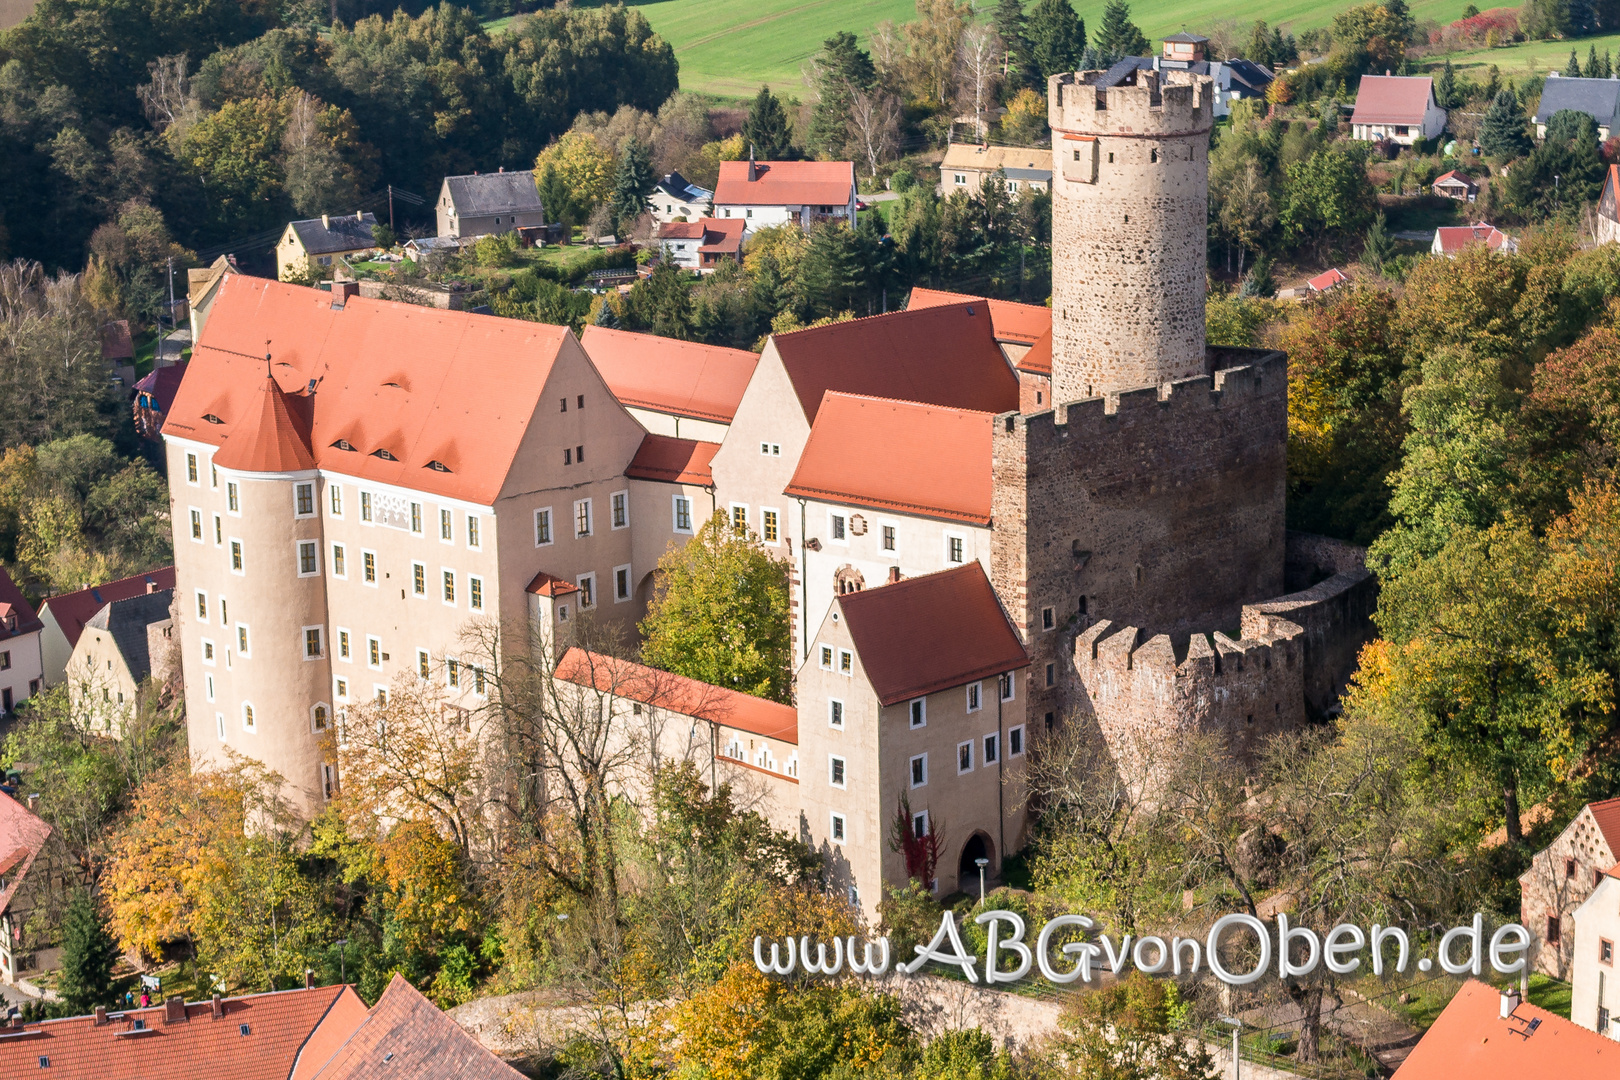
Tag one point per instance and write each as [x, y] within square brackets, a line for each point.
[33, 800]
[326, 221]
[101, 1015]
[174, 1010]
[359, 215]
[151, 586]
[342, 291]
[309, 978]
[501, 169]
[218, 1008]
[894, 574]
[1510, 1002]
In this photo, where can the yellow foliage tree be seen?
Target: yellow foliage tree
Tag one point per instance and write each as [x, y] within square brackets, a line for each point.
[582, 163]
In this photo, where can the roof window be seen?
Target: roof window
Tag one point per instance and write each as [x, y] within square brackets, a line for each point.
[212, 419]
[437, 466]
[385, 455]
[244, 1029]
[344, 444]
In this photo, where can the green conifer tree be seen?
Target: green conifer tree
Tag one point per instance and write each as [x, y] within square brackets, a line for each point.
[1259, 50]
[1380, 247]
[634, 183]
[88, 956]
[767, 129]
[841, 67]
[1445, 87]
[1057, 37]
[1119, 36]
[1012, 28]
[1502, 132]
[1573, 68]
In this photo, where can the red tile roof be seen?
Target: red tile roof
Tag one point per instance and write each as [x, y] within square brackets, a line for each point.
[421, 384]
[22, 838]
[940, 355]
[1456, 237]
[15, 609]
[1324, 282]
[406, 1035]
[545, 584]
[72, 610]
[898, 455]
[163, 384]
[1471, 1039]
[681, 230]
[271, 438]
[785, 183]
[931, 633]
[667, 375]
[1452, 176]
[677, 693]
[676, 461]
[1019, 324]
[197, 1048]
[1606, 815]
[1392, 99]
[1038, 361]
[722, 236]
[116, 343]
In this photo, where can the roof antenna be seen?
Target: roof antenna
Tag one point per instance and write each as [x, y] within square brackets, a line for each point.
[267, 373]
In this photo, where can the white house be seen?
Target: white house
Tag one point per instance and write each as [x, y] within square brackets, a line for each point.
[678, 199]
[770, 193]
[700, 245]
[1597, 928]
[1400, 108]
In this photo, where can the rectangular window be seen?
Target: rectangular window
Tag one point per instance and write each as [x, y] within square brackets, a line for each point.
[337, 499]
[1015, 741]
[992, 749]
[975, 699]
[918, 711]
[838, 828]
[236, 556]
[219, 530]
[340, 687]
[232, 502]
[683, 514]
[374, 652]
[446, 528]
[208, 686]
[475, 593]
[343, 644]
[1048, 619]
[191, 468]
[619, 502]
[587, 590]
[1605, 951]
[304, 499]
[964, 757]
[739, 519]
[365, 506]
[919, 770]
[247, 717]
[582, 517]
[1006, 686]
[835, 713]
[846, 662]
[449, 590]
[919, 824]
[579, 455]
[826, 658]
[621, 584]
[1554, 930]
[308, 558]
[769, 530]
[416, 517]
[542, 527]
[312, 643]
[213, 476]
[472, 531]
[568, 456]
[478, 678]
[219, 725]
[202, 605]
[452, 672]
[954, 546]
[423, 666]
[196, 526]
[419, 578]
[242, 639]
[835, 525]
[888, 538]
[208, 652]
[340, 567]
[368, 564]
[835, 770]
[1051, 674]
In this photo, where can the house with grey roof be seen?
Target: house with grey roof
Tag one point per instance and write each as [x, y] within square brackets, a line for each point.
[313, 244]
[123, 644]
[485, 203]
[678, 199]
[1597, 98]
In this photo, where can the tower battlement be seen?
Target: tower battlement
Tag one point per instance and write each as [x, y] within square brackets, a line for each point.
[1141, 102]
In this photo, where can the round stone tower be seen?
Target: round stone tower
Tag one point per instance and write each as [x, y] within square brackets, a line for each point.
[1130, 209]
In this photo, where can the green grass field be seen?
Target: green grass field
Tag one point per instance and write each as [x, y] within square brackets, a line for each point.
[729, 47]
[1531, 57]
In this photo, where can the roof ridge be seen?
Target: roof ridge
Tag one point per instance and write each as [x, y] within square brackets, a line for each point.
[825, 394]
[880, 315]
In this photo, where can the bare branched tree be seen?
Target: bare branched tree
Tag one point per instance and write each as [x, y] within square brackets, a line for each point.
[874, 124]
[166, 97]
[978, 71]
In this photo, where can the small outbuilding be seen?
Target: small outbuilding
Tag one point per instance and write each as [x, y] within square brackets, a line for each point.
[1454, 185]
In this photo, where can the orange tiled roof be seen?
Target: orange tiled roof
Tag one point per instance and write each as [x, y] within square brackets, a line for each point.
[420, 384]
[22, 838]
[196, 1048]
[71, 610]
[722, 236]
[667, 375]
[406, 1035]
[545, 584]
[1471, 1039]
[1038, 361]
[1606, 814]
[1324, 281]
[931, 633]
[676, 461]
[677, 693]
[1457, 237]
[941, 355]
[1015, 323]
[785, 183]
[898, 455]
[17, 609]
[270, 437]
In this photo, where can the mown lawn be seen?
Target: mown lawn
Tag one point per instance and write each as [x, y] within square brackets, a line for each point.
[1527, 58]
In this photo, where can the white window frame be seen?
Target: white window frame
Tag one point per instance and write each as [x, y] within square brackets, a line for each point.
[675, 502]
[968, 745]
[945, 555]
[196, 518]
[314, 500]
[589, 591]
[314, 728]
[249, 726]
[975, 696]
[379, 693]
[1007, 686]
[208, 685]
[370, 640]
[990, 749]
[917, 713]
[889, 523]
[329, 780]
[613, 508]
[219, 725]
[443, 570]
[590, 519]
[340, 688]
[368, 513]
[837, 827]
[846, 663]
[233, 498]
[334, 496]
[911, 771]
[209, 652]
[629, 584]
[842, 526]
[298, 557]
[447, 525]
[193, 473]
[244, 633]
[416, 566]
[1019, 728]
[237, 552]
[837, 713]
[202, 605]
[827, 655]
[303, 642]
[731, 518]
[375, 572]
[475, 592]
[770, 512]
[927, 824]
[551, 527]
[424, 659]
[219, 531]
[213, 474]
[475, 532]
[340, 567]
[842, 765]
[340, 635]
[417, 524]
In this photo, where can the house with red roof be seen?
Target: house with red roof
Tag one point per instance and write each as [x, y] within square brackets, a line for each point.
[700, 245]
[1024, 332]
[1455, 185]
[1330, 279]
[1397, 108]
[1592, 993]
[683, 389]
[22, 667]
[22, 838]
[1450, 239]
[1489, 1034]
[1561, 878]
[1608, 208]
[64, 617]
[802, 193]
[153, 396]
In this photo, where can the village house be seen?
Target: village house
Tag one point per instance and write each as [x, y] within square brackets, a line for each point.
[153, 396]
[678, 199]
[700, 245]
[1016, 327]
[1450, 239]
[118, 350]
[484, 203]
[22, 670]
[1489, 1034]
[65, 616]
[1233, 79]
[1561, 877]
[1399, 108]
[1329, 279]
[121, 646]
[311, 246]
[799, 193]
[22, 838]
[202, 285]
[1592, 990]
[1607, 227]
[966, 165]
[683, 389]
[1455, 185]
[1597, 98]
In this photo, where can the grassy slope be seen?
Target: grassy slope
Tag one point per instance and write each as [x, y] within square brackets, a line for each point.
[1538, 57]
[729, 47]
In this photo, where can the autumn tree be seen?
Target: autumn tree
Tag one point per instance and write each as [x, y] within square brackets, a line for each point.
[583, 166]
[1128, 1032]
[978, 71]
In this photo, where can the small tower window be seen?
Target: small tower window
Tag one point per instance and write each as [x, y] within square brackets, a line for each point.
[1153, 156]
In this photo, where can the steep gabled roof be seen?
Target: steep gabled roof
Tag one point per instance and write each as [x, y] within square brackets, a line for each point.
[482, 194]
[899, 456]
[931, 633]
[421, 384]
[332, 235]
[1472, 1039]
[163, 384]
[270, 438]
[1597, 98]
[1328, 279]
[73, 610]
[1015, 323]
[940, 355]
[17, 615]
[116, 342]
[126, 622]
[22, 838]
[674, 461]
[1393, 99]
[1038, 361]
[785, 183]
[406, 1035]
[683, 378]
[1452, 177]
[677, 693]
[1456, 237]
[1606, 814]
[545, 584]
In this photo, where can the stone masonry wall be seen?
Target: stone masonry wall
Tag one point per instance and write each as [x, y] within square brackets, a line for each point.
[1163, 514]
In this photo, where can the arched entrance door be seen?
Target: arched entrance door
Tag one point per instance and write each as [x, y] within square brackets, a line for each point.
[967, 867]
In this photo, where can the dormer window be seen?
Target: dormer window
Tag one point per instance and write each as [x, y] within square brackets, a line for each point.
[385, 455]
[438, 466]
[344, 444]
[212, 419]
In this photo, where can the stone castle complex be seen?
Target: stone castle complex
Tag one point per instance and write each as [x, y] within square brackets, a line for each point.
[997, 517]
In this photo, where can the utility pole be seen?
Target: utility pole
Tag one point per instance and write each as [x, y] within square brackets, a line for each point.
[390, 207]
